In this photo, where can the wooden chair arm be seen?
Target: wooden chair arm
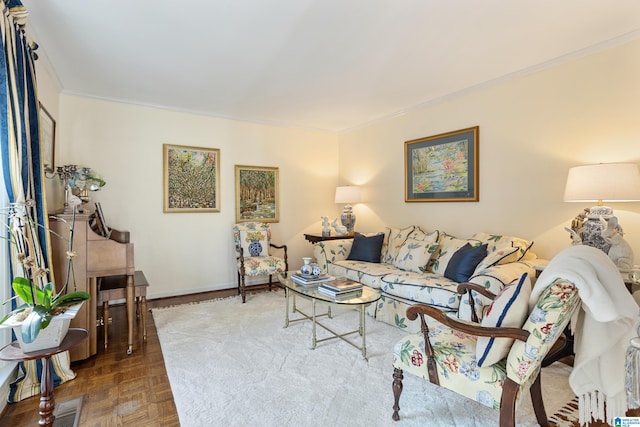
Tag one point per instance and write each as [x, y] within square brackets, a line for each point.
[468, 286]
[468, 328]
[279, 246]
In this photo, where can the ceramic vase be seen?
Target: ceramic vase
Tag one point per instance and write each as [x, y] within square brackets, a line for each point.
[306, 268]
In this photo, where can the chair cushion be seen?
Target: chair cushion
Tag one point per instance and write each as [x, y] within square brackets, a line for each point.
[414, 254]
[263, 266]
[509, 309]
[366, 248]
[464, 262]
[455, 357]
[254, 243]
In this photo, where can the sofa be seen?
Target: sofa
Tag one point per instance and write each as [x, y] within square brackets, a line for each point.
[410, 265]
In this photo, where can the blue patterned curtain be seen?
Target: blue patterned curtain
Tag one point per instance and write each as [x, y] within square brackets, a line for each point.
[21, 161]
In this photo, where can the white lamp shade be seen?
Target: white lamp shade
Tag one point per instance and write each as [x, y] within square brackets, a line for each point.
[612, 182]
[347, 194]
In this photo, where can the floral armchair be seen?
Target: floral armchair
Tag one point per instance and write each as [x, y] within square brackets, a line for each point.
[252, 241]
[448, 352]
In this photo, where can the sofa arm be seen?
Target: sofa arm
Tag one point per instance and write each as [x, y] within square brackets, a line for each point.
[493, 279]
[330, 251]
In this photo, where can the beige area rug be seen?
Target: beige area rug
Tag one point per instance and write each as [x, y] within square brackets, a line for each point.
[233, 364]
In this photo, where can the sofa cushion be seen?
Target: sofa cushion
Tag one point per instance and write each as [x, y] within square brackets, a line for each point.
[366, 248]
[427, 288]
[509, 309]
[464, 262]
[414, 255]
[496, 240]
[448, 246]
[502, 254]
[367, 273]
[394, 238]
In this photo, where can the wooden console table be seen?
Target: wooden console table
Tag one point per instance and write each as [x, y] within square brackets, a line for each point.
[13, 353]
[315, 238]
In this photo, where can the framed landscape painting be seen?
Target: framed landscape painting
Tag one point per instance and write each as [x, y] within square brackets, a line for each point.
[191, 179]
[257, 196]
[442, 168]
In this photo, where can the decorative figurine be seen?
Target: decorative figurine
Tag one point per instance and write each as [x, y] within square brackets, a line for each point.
[620, 251]
[326, 227]
[341, 230]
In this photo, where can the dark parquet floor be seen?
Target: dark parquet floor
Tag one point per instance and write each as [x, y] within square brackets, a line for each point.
[117, 389]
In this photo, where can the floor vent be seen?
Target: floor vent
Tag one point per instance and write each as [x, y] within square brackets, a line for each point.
[67, 413]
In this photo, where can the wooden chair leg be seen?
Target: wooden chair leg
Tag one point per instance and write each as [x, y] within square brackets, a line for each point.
[270, 281]
[508, 403]
[243, 290]
[397, 390]
[538, 404]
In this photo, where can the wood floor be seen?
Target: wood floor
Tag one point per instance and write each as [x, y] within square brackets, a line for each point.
[118, 390]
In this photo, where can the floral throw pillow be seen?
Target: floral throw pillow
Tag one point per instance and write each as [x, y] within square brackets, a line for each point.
[498, 241]
[394, 238]
[509, 309]
[414, 254]
[254, 243]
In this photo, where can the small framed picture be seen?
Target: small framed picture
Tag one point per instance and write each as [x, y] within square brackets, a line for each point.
[257, 196]
[47, 139]
[191, 179]
[443, 168]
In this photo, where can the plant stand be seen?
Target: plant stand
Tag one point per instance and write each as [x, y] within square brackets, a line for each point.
[13, 353]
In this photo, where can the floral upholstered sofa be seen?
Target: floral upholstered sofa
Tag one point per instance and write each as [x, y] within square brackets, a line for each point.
[409, 266]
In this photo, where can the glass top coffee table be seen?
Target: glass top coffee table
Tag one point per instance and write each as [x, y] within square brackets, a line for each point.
[292, 289]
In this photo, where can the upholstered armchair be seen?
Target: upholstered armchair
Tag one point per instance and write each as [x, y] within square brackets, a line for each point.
[252, 241]
[492, 362]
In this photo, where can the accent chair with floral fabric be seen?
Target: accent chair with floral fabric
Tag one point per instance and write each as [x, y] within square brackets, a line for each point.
[252, 241]
[448, 351]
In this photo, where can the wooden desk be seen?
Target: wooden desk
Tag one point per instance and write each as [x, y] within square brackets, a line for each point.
[13, 353]
[315, 238]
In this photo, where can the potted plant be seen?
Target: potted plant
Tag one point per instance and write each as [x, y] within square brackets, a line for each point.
[42, 305]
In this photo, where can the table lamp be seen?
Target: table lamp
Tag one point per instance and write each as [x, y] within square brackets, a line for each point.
[348, 194]
[610, 182]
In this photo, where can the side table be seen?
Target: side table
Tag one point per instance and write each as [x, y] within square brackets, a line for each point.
[13, 353]
[315, 238]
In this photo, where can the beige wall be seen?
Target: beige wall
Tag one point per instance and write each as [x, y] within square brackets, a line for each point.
[532, 130]
[192, 252]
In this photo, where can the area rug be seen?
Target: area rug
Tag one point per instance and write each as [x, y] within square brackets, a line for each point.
[235, 364]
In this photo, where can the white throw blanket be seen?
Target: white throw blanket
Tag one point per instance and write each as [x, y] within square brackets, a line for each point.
[602, 329]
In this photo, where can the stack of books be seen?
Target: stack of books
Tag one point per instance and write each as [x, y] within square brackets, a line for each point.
[341, 288]
[310, 280]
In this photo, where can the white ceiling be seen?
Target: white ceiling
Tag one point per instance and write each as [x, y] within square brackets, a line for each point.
[330, 65]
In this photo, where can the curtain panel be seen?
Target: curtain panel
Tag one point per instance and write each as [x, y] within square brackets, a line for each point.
[23, 171]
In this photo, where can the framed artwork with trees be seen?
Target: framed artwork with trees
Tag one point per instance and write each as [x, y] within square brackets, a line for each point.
[191, 179]
[257, 196]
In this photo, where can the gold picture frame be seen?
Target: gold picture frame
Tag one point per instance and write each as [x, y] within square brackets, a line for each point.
[443, 168]
[191, 179]
[257, 194]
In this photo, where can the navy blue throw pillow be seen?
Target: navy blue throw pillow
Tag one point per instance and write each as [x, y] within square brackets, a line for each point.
[366, 248]
[464, 262]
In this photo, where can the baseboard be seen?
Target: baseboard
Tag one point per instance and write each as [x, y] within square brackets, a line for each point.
[7, 375]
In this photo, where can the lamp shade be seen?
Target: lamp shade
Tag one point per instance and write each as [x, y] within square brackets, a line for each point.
[347, 194]
[612, 182]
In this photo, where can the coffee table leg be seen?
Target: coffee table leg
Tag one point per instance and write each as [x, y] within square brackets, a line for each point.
[363, 332]
[286, 307]
[313, 341]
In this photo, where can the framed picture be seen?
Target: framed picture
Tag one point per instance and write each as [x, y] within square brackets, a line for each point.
[191, 179]
[47, 139]
[257, 196]
[442, 168]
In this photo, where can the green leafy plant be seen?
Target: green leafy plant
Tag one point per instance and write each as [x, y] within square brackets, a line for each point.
[40, 300]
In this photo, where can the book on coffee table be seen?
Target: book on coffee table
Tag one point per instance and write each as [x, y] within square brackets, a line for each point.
[341, 285]
[307, 279]
[340, 295]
